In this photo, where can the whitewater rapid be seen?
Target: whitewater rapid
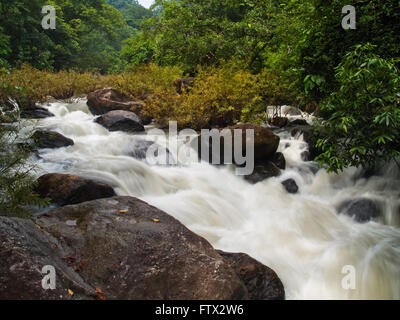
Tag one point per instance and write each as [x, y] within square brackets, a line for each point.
[300, 236]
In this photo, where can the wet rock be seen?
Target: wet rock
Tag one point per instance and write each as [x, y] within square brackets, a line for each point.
[265, 143]
[105, 100]
[279, 160]
[299, 122]
[119, 120]
[262, 283]
[124, 247]
[361, 209]
[290, 186]
[279, 122]
[262, 172]
[49, 139]
[36, 112]
[305, 156]
[64, 189]
[140, 148]
[308, 137]
[292, 111]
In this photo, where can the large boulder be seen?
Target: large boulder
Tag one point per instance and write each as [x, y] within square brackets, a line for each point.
[50, 139]
[262, 283]
[108, 99]
[122, 248]
[65, 189]
[361, 209]
[120, 120]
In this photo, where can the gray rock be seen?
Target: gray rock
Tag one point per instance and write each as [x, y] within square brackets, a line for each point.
[119, 120]
[361, 209]
[290, 186]
[49, 139]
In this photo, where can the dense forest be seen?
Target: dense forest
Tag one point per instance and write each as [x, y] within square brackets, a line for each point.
[243, 54]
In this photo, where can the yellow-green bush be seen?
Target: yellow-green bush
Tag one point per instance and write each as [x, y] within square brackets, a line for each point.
[219, 97]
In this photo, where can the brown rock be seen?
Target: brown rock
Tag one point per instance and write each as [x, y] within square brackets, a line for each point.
[50, 139]
[65, 189]
[108, 99]
[122, 246]
[262, 283]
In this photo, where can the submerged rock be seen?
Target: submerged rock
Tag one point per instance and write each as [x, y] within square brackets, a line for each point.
[262, 283]
[362, 209]
[140, 148]
[50, 139]
[124, 249]
[119, 120]
[64, 189]
[290, 186]
[310, 139]
[262, 172]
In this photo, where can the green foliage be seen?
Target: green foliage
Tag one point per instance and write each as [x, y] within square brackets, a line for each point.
[17, 184]
[188, 33]
[88, 35]
[323, 42]
[363, 127]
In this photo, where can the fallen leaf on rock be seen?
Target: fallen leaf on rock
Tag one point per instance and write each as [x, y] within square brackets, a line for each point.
[123, 211]
[156, 220]
[100, 294]
[81, 266]
[71, 293]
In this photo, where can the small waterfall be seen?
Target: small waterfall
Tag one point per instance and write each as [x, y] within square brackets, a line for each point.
[300, 236]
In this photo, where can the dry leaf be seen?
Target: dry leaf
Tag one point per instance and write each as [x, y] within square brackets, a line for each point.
[156, 220]
[71, 293]
[100, 294]
[123, 211]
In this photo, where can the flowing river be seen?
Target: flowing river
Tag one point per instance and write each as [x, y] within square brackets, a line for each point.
[300, 236]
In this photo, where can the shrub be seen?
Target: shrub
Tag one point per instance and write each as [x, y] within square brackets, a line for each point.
[219, 97]
[16, 180]
[363, 127]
